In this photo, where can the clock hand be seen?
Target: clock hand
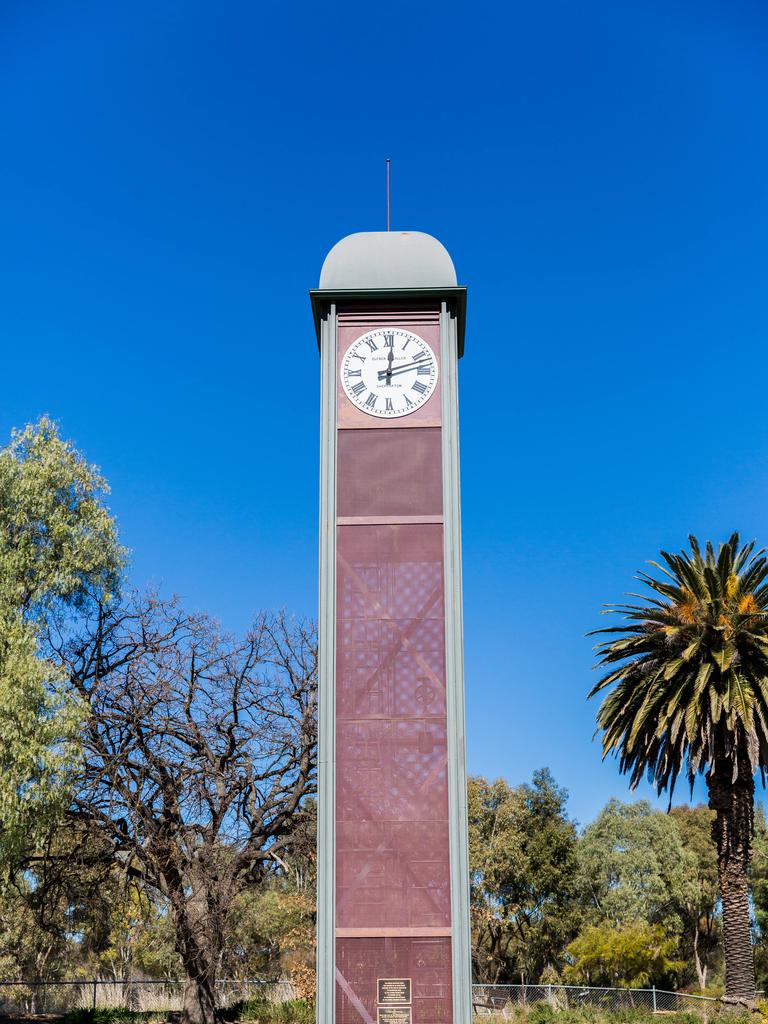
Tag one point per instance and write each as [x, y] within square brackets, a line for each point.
[402, 369]
[390, 357]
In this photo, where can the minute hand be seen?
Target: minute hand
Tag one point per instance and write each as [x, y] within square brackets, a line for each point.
[403, 369]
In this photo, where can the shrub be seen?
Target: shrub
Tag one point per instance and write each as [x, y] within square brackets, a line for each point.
[113, 1015]
[292, 1011]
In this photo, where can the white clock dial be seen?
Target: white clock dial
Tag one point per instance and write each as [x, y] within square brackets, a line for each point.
[389, 372]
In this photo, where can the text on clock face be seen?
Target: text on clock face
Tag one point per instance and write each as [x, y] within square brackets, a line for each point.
[389, 372]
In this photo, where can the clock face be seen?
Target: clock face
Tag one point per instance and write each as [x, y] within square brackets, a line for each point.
[389, 372]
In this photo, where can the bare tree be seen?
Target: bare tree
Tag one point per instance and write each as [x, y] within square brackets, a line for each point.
[198, 753]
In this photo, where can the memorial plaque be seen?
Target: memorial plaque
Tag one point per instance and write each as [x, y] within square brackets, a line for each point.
[393, 1015]
[393, 990]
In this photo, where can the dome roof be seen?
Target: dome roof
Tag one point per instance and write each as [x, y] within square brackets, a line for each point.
[388, 259]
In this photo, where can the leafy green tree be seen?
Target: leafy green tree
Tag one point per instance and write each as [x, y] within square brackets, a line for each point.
[58, 550]
[522, 865]
[27, 951]
[52, 903]
[699, 910]
[64, 892]
[631, 955]
[633, 867]
[154, 949]
[135, 936]
[38, 730]
[689, 677]
[273, 934]
[272, 931]
[58, 541]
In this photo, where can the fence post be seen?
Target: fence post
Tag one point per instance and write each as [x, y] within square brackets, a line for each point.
[654, 999]
[95, 983]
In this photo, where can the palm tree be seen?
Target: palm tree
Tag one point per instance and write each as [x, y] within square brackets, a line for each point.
[690, 669]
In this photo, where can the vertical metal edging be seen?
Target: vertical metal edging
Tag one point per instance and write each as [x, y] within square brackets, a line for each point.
[454, 674]
[326, 821]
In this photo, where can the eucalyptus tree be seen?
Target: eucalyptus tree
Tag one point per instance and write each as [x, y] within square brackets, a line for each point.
[58, 551]
[687, 682]
[700, 912]
[633, 866]
[522, 853]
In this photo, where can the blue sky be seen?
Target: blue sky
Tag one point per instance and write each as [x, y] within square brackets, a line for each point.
[172, 176]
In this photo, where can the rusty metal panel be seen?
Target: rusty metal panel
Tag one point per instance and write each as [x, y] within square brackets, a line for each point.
[361, 962]
[384, 473]
[390, 572]
[392, 852]
[390, 669]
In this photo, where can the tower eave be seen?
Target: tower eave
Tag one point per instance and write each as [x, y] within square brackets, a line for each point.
[455, 296]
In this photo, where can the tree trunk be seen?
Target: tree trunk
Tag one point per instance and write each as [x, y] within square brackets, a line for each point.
[733, 802]
[701, 970]
[199, 1001]
[197, 946]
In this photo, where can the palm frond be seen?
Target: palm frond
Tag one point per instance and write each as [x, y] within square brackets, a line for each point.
[686, 672]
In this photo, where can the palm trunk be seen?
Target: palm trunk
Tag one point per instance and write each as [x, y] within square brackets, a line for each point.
[733, 802]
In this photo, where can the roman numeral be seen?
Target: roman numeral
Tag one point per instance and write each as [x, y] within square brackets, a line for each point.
[358, 373]
[356, 355]
[389, 341]
[406, 343]
[418, 386]
[424, 368]
[389, 406]
[370, 402]
[357, 389]
[408, 402]
[419, 356]
[371, 344]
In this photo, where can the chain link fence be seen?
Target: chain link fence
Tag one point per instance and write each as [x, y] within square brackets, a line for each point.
[498, 1001]
[44, 997]
[501, 1000]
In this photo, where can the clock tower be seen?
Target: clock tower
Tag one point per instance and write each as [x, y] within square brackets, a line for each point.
[393, 943]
